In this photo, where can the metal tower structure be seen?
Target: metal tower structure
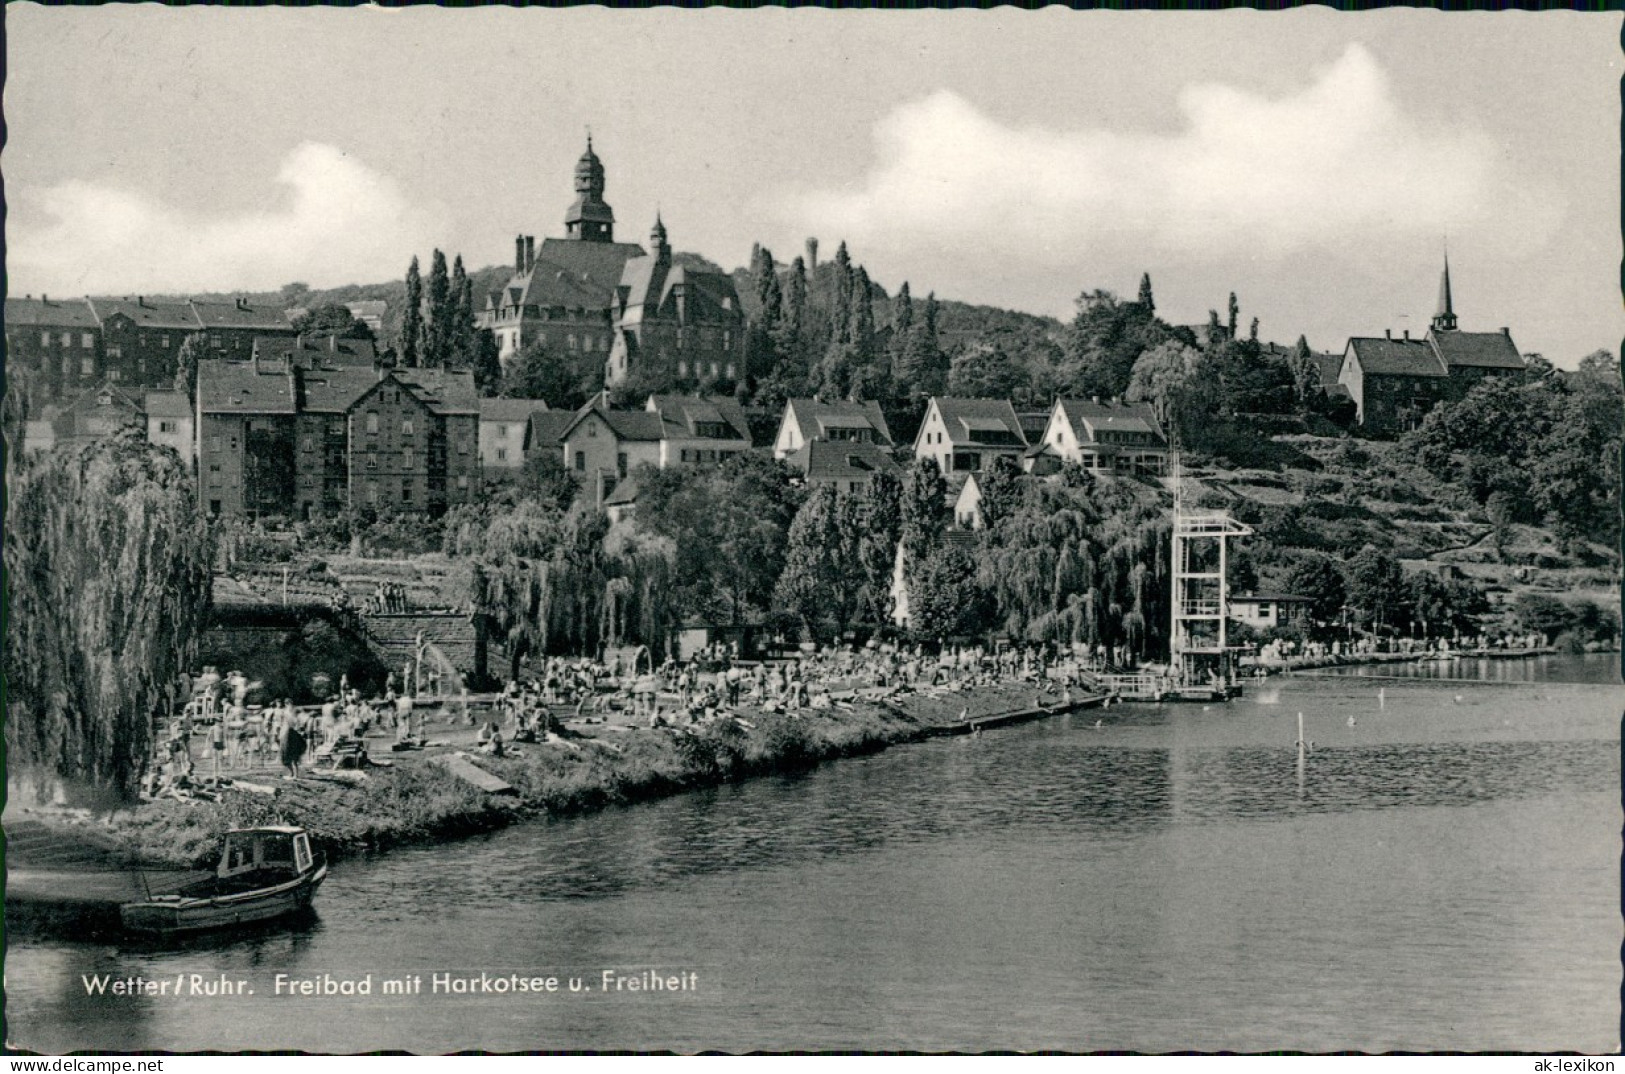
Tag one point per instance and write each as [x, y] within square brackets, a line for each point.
[1199, 656]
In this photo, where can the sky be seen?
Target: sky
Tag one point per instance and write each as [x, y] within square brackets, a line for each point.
[1313, 162]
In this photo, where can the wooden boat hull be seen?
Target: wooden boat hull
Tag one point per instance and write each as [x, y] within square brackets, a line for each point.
[177, 914]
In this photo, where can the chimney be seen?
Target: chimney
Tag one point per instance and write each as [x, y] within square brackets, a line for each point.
[1505, 331]
[1389, 332]
[1407, 335]
[530, 252]
[812, 255]
[141, 300]
[518, 253]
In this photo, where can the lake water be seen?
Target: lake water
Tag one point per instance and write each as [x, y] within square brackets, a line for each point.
[1442, 874]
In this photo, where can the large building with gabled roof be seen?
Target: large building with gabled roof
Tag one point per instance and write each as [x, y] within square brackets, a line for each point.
[563, 294]
[1395, 382]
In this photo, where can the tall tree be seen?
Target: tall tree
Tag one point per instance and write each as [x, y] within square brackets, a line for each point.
[1147, 302]
[108, 561]
[412, 319]
[437, 324]
[882, 523]
[811, 583]
[460, 331]
[487, 362]
[924, 512]
[186, 360]
[1235, 311]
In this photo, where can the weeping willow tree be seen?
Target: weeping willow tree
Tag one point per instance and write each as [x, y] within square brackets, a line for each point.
[1081, 561]
[108, 575]
[547, 582]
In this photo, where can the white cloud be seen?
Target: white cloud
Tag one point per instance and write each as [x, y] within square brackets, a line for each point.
[1336, 164]
[333, 220]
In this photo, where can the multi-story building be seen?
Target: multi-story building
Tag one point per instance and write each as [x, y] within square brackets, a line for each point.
[563, 295]
[1395, 382]
[142, 336]
[277, 438]
[505, 432]
[1111, 436]
[966, 435]
[675, 324]
[59, 343]
[170, 423]
[807, 420]
[230, 328]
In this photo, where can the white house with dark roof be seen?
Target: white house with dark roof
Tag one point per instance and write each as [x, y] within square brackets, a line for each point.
[170, 423]
[847, 466]
[966, 435]
[699, 429]
[505, 431]
[807, 420]
[1115, 437]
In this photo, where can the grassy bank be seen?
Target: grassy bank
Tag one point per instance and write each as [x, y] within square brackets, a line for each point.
[417, 801]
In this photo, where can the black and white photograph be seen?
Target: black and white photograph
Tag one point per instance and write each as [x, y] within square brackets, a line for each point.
[791, 530]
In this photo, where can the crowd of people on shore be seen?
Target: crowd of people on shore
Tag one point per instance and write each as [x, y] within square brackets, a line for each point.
[715, 681]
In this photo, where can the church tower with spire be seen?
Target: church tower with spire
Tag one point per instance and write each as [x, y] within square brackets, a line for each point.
[590, 218]
[1445, 319]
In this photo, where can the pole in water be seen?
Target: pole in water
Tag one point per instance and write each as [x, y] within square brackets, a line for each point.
[1381, 699]
[1300, 730]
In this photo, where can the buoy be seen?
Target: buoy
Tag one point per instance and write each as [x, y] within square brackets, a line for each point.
[1351, 721]
[1098, 724]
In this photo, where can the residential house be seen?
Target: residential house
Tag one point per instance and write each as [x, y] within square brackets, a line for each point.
[59, 343]
[699, 429]
[170, 423]
[1116, 437]
[141, 338]
[849, 466]
[246, 413]
[97, 413]
[370, 313]
[675, 323]
[966, 435]
[505, 432]
[806, 420]
[968, 505]
[603, 445]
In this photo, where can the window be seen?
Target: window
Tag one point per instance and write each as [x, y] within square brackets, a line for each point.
[166, 426]
[682, 369]
[570, 341]
[214, 507]
[214, 468]
[406, 492]
[462, 481]
[113, 374]
[502, 431]
[214, 340]
[372, 421]
[728, 342]
[592, 428]
[462, 446]
[502, 454]
[406, 427]
[713, 369]
[620, 463]
[372, 492]
[581, 461]
[87, 367]
[87, 341]
[730, 371]
[45, 339]
[214, 443]
[67, 339]
[308, 443]
[408, 459]
[115, 351]
[140, 365]
[166, 341]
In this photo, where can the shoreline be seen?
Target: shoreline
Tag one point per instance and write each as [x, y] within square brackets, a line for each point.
[417, 801]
